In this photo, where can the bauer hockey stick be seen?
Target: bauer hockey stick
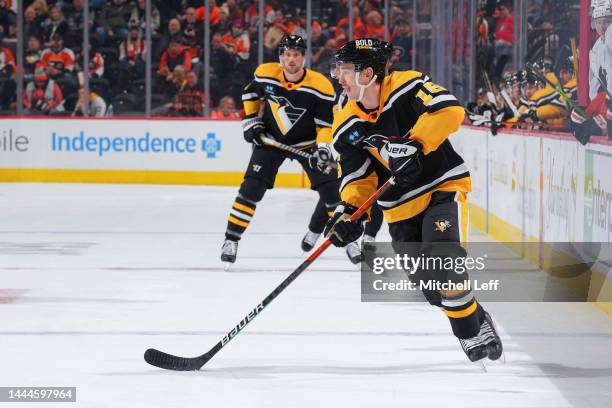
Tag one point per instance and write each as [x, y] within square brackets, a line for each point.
[171, 362]
[272, 142]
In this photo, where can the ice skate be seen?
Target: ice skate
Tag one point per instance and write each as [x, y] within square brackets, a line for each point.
[309, 241]
[490, 338]
[229, 250]
[354, 252]
[367, 242]
[475, 349]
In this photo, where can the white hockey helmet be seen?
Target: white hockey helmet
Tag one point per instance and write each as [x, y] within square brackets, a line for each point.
[601, 8]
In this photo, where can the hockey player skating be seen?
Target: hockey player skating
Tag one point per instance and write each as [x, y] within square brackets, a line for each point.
[398, 124]
[297, 105]
[375, 221]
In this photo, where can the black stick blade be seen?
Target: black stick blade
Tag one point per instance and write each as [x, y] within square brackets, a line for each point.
[169, 362]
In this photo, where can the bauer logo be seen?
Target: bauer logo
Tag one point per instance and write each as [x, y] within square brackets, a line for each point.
[242, 324]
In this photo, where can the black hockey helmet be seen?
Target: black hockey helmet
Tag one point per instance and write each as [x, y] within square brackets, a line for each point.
[292, 42]
[543, 64]
[364, 53]
[387, 48]
[529, 77]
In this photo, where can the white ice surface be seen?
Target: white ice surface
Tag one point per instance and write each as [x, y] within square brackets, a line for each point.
[92, 275]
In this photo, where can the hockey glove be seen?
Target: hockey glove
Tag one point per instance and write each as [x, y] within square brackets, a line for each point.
[340, 230]
[529, 114]
[583, 127]
[322, 159]
[404, 160]
[253, 129]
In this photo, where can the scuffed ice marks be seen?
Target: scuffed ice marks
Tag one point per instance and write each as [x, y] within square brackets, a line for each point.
[44, 248]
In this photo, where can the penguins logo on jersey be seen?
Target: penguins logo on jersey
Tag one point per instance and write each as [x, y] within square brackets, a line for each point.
[442, 225]
[285, 114]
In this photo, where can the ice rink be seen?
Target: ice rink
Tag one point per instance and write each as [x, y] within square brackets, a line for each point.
[93, 275]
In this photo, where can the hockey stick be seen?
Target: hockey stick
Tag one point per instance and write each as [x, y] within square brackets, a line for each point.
[171, 362]
[509, 103]
[271, 142]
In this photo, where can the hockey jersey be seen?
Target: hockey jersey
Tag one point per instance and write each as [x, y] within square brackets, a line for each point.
[299, 113]
[410, 106]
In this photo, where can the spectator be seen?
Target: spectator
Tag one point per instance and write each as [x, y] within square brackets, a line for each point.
[96, 61]
[74, 19]
[112, 22]
[8, 87]
[42, 11]
[31, 24]
[176, 54]
[215, 14]
[375, 27]
[132, 54]
[55, 71]
[97, 105]
[32, 56]
[231, 9]
[226, 109]
[359, 29]
[7, 62]
[57, 52]
[252, 14]
[190, 21]
[503, 38]
[322, 59]
[139, 15]
[223, 64]
[318, 38]
[190, 99]
[55, 24]
[43, 95]
[237, 41]
[173, 30]
[402, 41]
[7, 19]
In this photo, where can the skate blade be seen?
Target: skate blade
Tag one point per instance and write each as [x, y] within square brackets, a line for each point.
[482, 365]
[227, 266]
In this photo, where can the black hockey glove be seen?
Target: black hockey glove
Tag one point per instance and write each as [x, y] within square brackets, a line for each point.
[529, 114]
[322, 159]
[404, 160]
[340, 230]
[583, 127]
[253, 129]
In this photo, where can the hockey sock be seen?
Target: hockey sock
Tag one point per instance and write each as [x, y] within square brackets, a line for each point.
[240, 216]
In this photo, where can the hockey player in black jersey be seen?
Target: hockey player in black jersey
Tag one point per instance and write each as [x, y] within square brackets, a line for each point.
[398, 125]
[293, 105]
[372, 226]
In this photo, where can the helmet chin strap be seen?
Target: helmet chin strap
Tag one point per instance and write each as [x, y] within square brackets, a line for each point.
[362, 88]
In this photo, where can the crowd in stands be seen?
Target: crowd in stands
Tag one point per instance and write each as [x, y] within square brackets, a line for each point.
[53, 42]
[53, 55]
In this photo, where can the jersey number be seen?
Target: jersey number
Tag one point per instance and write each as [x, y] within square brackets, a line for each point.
[432, 89]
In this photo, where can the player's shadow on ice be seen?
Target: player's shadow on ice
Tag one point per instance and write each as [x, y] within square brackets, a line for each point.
[270, 371]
